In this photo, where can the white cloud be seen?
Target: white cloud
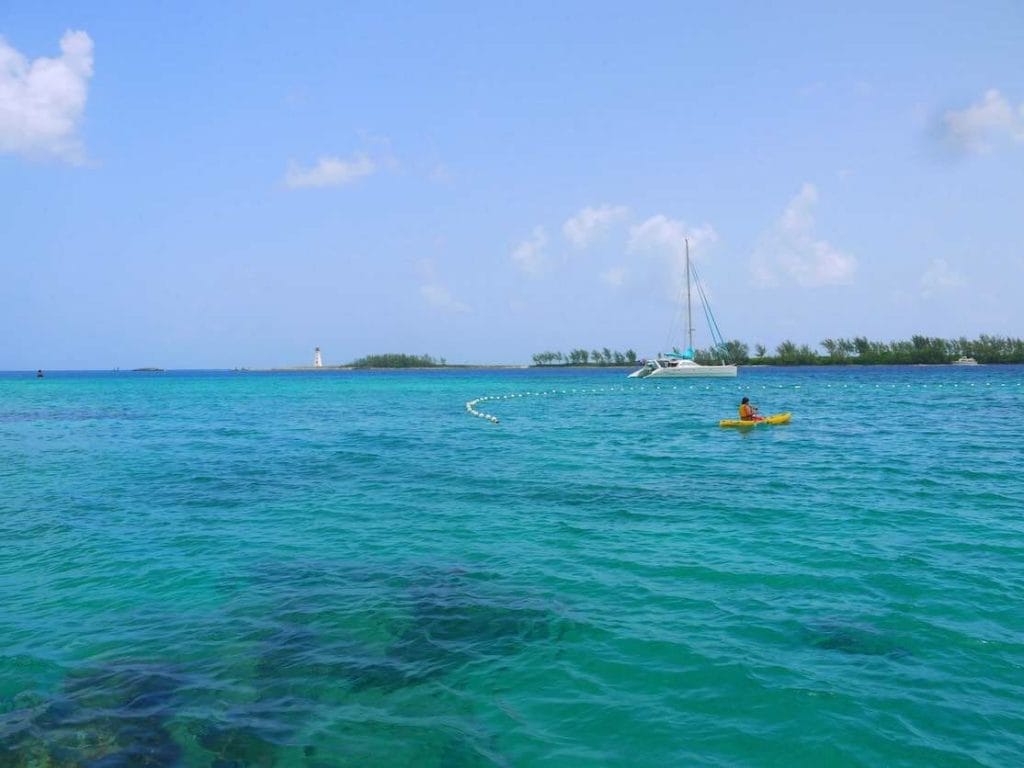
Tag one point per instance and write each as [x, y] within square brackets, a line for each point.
[583, 228]
[981, 126]
[657, 233]
[660, 233]
[330, 172]
[792, 249]
[529, 255]
[42, 101]
[939, 277]
[665, 239]
[439, 296]
[665, 236]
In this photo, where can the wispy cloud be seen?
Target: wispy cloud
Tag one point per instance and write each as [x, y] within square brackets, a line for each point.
[664, 239]
[42, 101]
[529, 255]
[660, 234]
[330, 172]
[587, 225]
[985, 124]
[436, 293]
[792, 248]
[939, 277]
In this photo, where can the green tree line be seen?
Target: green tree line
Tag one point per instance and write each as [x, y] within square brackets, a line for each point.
[862, 351]
[395, 360]
[603, 356]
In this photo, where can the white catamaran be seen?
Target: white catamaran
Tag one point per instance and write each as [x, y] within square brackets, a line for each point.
[682, 364]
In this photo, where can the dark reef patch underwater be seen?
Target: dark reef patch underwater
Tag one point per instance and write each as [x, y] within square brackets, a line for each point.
[113, 716]
[853, 638]
[318, 635]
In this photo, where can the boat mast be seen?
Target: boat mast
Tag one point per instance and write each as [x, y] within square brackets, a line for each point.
[689, 313]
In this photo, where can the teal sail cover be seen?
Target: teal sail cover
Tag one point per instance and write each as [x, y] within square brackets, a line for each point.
[677, 355]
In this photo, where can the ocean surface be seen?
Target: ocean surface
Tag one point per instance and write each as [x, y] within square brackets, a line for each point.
[349, 569]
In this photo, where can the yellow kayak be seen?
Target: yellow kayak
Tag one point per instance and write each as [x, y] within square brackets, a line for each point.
[775, 418]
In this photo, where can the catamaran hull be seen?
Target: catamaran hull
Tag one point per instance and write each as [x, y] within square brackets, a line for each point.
[688, 372]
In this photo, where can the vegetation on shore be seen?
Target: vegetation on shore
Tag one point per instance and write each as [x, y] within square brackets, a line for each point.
[919, 350]
[396, 360]
[586, 357]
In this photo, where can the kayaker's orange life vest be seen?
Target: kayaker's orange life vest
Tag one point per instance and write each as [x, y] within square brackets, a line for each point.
[746, 412]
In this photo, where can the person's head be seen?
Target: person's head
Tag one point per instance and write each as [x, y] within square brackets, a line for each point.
[744, 401]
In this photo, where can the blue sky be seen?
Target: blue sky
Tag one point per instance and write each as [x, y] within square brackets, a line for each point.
[221, 185]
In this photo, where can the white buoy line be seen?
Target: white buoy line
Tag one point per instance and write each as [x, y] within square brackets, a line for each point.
[473, 410]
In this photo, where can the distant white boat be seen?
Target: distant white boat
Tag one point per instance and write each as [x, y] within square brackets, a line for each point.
[965, 361]
[676, 364]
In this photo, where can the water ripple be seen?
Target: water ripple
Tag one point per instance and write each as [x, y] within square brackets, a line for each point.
[214, 569]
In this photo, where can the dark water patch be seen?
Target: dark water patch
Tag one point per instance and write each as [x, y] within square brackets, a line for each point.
[413, 742]
[852, 638]
[311, 669]
[432, 621]
[454, 619]
[235, 747]
[297, 659]
[133, 687]
[454, 613]
[106, 718]
[334, 634]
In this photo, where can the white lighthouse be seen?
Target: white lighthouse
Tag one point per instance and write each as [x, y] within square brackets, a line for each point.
[318, 361]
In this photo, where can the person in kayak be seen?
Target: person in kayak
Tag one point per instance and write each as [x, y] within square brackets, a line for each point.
[748, 412]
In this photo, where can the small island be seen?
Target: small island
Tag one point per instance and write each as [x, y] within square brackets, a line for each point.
[398, 360]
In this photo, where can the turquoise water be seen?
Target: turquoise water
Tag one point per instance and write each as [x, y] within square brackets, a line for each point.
[347, 569]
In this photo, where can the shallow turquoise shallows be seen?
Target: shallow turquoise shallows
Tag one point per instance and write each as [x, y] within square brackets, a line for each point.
[350, 569]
